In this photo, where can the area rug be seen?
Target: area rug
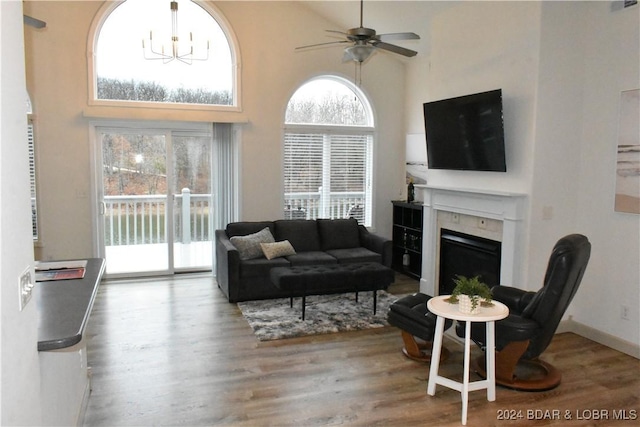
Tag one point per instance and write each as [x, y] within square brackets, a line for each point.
[275, 319]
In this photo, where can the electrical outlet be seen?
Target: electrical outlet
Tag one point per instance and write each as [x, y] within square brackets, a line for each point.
[25, 287]
[624, 312]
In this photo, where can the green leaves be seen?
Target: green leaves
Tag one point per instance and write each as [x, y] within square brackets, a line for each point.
[473, 287]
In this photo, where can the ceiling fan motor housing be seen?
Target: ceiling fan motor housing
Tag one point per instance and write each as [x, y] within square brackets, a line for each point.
[361, 33]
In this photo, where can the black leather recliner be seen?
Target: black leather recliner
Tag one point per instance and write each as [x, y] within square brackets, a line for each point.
[533, 319]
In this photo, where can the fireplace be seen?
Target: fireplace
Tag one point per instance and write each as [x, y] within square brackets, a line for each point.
[467, 255]
[475, 212]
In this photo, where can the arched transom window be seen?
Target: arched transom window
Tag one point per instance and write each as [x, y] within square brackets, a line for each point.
[162, 51]
[328, 146]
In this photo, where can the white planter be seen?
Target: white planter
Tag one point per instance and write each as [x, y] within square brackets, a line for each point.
[464, 305]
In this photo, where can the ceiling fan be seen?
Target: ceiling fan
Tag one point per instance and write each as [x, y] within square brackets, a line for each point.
[364, 41]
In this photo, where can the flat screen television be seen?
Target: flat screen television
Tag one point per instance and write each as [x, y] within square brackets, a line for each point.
[466, 133]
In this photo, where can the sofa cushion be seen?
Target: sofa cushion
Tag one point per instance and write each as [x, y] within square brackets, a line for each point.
[277, 249]
[311, 258]
[247, 227]
[303, 234]
[260, 267]
[355, 255]
[249, 246]
[338, 233]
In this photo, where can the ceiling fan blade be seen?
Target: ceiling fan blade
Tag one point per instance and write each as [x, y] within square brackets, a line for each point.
[398, 36]
[342, 33]
[393, 48]
[33, 22]
[321, 44]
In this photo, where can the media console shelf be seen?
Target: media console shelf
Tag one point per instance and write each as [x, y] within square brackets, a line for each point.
[407, 238]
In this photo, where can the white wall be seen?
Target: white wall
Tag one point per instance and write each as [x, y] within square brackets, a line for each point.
[20, 374]
[561, 66]
[611, 64]
[476, 47]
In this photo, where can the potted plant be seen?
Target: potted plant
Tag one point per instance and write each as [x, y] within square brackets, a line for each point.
[470, 294]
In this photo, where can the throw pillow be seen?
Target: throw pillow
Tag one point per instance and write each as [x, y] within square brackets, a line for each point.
[277, 249]
[249, 246]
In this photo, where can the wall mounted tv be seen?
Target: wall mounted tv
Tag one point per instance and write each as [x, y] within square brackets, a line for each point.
[466, 133]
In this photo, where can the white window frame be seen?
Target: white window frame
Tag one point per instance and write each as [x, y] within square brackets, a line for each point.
[92, 41]
[327, 131]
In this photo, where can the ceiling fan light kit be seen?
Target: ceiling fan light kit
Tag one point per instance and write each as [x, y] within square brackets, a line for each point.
[358, 52]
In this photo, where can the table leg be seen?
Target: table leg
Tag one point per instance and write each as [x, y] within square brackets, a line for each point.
[435, 355]
[304, 305]
[490, 355]
[465, 381]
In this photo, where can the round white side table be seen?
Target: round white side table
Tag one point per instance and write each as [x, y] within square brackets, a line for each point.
[444, 310]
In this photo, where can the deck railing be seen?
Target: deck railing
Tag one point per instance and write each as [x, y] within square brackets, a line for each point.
[140, 220]
[308, 205]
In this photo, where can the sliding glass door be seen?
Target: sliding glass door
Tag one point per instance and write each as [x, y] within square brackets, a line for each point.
[192, 202]
[154, 198]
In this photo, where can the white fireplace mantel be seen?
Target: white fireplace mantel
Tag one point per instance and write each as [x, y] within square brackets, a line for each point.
[502, 206]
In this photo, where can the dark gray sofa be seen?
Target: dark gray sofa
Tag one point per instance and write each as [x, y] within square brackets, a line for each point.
[316, 242]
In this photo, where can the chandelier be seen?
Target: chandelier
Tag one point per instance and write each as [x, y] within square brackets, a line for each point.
[174, 51]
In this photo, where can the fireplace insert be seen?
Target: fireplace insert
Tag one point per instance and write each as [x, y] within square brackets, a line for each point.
[467, 255]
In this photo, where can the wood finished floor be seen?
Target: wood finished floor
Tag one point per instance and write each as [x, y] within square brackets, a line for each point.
[175, 352]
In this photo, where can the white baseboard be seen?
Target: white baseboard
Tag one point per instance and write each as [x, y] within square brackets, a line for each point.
[570, 325]
[624, 346]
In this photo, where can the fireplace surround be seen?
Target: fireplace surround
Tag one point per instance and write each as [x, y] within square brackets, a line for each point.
[496, 213]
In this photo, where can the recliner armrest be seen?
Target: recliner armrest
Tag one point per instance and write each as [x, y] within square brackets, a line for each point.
[511, 328]
[514, 298]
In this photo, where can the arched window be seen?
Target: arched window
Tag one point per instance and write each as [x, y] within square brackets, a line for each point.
[328, 146]
[167, 52]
